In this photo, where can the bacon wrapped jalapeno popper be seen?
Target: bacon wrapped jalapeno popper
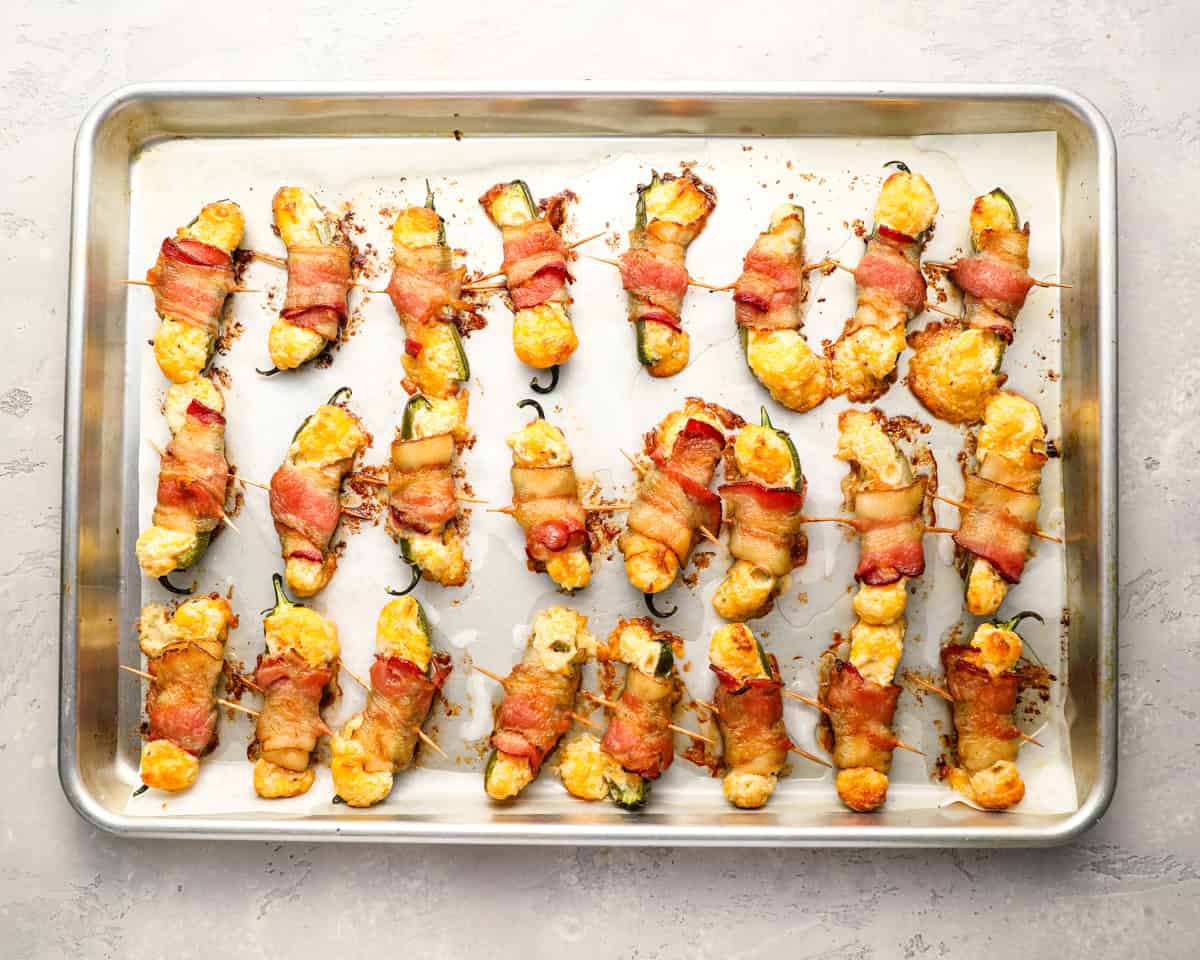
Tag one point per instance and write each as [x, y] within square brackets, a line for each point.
[536, 274]
[422, 503]
[546, 502]
[319, 276]
[984, 683]
[426, 290]
[185, 654]
[1002, 498]
[859, 692]
[749, 702]
[191, 280]
[671, 213]
[192, 480]
[955, 367]
[762, 509]
[539, 698]
[767, 298]
[298, 675]
[306, 493]
[380, 741]
[891, 288]
[673, 501]
[638, 745]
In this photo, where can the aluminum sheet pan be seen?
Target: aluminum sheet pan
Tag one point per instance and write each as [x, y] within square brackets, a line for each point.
[148, 158]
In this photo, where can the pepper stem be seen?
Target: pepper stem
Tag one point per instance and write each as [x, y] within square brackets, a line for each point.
[429, 196]
[337, 395]
[649, 598]
[537, 387]
[281, 599]
[530, 402]
[766, 420]
[416, 578]
[1023, 615]
[898, 164]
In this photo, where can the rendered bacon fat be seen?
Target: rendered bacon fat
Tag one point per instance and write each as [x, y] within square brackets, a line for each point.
[891, 288]
[306, 494]
[673, 500]
[539, 697]
[671, 213]
[749, 704]
[185, 653]
[298, 677]
[405, 676]
[546, 504]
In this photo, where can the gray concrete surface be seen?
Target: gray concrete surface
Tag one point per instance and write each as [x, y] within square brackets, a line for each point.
[1129, 888]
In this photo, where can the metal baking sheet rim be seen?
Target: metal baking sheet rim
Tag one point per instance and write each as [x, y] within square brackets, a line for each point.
[396, 829]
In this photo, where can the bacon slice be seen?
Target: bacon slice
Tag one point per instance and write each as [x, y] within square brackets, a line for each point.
[535, 713]
[421, 497]
[765, 523]
[397, 706]
[656, 276]
[638, 737]
[890, 532]
[305, 504]
[768, 292]
[995, 281]
[535, 264]
[318, 278]
[860, 715]
[191, 281]
[983, 710]
[290, 722]
[998, 525]
[193, 473]
[750, 718]
[181, 702]
[546, 502]
[883, 267]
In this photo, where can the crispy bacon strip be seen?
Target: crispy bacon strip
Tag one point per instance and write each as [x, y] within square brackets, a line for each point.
[765, 524]
[535, 712]
[890, 530]
[770, 289]
[995, 281]
[750, 718]
[193, 473]
[983, 709]
[318, 278]
[546, 502]
[858, 727]
[305, 504]
[638, 737]
[191, 281]
[535, 264]
[421, 497]
[181, 702]
[290, 722]
[655, 276]
[397, 706]
[889, 275]
[424, 282]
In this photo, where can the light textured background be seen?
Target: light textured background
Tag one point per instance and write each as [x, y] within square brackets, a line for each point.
[1128, 888]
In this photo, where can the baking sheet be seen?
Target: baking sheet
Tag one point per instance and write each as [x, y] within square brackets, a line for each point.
[604, 402]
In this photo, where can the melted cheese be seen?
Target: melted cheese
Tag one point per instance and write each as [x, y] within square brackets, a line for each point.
[664, 348]
[300, 219]
[637, 646]
[995, 649]
[650, 566]
[734, 650]
[763, 455]
[748, 791]
[205, 620]
[181, 350]
[539, 444]
[328, 436]
[906, 203]
[448, 415]
[676, 201]
[997, 787]
[399, 632]
[862, 788]
[881, 605]
[508, 776]
[571, 569]
[181, 395]
[303, 631]
[864, 358]
[991, 211]
[290, 346]
[744, 592]
[560, 639]
[165, 766]
[219, 224]
[543, 336]
[875, 650]
[861, 440]
[438, 368]
[416, 227]
[355, 784]
[986, 589]
[1012, 427]
[784, 363]
[441, 560]
[584, 768]
[955, 372]
[307, 578]
[159, 550]
[273, 782]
